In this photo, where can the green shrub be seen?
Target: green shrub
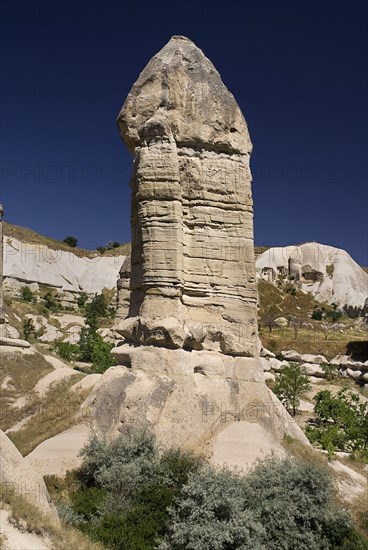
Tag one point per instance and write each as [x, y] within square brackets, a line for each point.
[131, 497]
[27, 295]
[281, 504]
[290, 385]
[93, 348]
[341, 422]
[67, 351]
[71, 241]
[29, 329]
[318, 314]
[126, 488]
[330, 370]
[51, 302]
[82, 300]
[98, 306]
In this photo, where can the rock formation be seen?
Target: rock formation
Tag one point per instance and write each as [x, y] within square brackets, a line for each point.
[6, 331]
[188, 366]
[2, 316]
[193, 274]
[329, 273]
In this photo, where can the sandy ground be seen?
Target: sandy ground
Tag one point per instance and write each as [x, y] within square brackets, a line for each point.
[60, 453]
[15, 539]
[241, 443]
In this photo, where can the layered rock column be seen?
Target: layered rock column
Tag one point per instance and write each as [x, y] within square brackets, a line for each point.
[193, 280]
[2, 316]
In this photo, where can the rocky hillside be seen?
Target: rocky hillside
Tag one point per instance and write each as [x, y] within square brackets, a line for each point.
[328, 273]
[32, 258]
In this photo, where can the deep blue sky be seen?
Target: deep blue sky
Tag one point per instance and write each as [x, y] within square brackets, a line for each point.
[297, 69]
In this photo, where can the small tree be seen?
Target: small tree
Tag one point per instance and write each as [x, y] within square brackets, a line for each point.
[295, 323]
[51, 302]
[318, 314]
[93, 348]
[29, 329]
[341, 422]
[71, 241]
[82, 300]
[330, 370]
[112, 244]
[268, 320]
[27, 295]
[290, 385]
[98, 306]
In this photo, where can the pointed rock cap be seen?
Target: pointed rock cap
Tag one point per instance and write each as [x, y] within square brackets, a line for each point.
[180, 94]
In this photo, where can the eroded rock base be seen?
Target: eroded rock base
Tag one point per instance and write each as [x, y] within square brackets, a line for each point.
[189, 399]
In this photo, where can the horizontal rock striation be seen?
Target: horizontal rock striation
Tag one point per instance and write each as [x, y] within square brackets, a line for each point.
[192, 265]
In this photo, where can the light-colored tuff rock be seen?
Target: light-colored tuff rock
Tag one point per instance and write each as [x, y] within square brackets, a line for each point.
[188, 367]
[36, 263]
[266, 353]
[277, 365]
[291, 355]
[123, 289]
[282, 321]
[60, 453]
[186, 398]
[329, 273]
[17, 474]
[354, 374]
[311, 369]
[16, 538]
[49, 333]
[192, 265]
[350, 483]
[316, 359]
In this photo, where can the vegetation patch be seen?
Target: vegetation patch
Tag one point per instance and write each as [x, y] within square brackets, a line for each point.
[127, 495]
[27, 516]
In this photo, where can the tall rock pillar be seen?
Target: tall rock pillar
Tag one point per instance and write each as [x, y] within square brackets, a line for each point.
[2, 316]
[193, 282]
[188, 367]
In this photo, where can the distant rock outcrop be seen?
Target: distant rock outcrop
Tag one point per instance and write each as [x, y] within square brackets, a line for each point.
[329, 273]
[64, 270]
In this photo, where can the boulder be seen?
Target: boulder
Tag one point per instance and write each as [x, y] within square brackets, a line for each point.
[282, 321]
[316, 359]
[277, 365]
[267, 353]
[312, 369]
[355, 374]
[266, 365]
[291, 355]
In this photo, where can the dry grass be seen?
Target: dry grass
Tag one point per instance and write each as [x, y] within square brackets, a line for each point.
[304, 452]
[309, 341]
[62, 537]
[278, 303]
[49, 415]
[24, 372]
[29, 236]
